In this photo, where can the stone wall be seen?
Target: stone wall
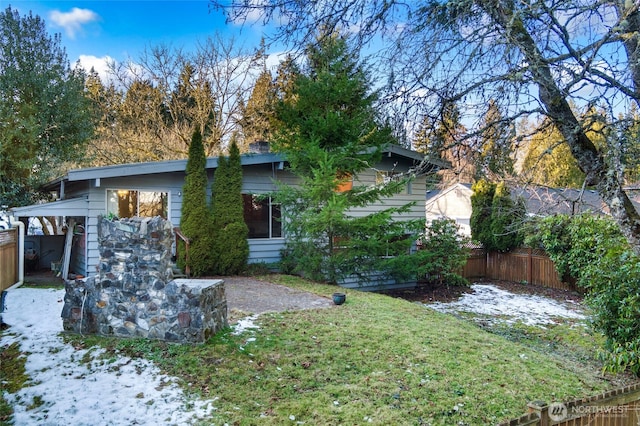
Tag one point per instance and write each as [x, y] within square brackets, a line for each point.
[134, 293]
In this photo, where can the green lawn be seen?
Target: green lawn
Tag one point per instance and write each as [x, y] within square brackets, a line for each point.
[377, 360]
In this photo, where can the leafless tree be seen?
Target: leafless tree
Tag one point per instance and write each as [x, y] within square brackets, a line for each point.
[165, 93]
[534, 58]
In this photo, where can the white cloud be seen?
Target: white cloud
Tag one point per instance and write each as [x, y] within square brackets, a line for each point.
[73, 21]
[100, 65]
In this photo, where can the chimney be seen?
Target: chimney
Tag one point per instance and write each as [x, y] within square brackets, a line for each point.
[259, 147]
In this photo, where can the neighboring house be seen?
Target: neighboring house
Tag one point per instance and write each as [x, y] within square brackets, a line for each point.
[454, 203]
[151, 189]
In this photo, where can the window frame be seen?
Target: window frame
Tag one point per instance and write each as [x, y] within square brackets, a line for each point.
[271, 217]
[139, 191]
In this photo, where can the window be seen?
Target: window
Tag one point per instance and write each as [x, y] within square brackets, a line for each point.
[130, 203]
[262, 217]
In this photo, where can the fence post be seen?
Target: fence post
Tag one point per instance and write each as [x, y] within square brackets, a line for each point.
[542, 410]
[530, 268]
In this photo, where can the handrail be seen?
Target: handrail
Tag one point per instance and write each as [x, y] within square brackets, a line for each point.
[186, 240]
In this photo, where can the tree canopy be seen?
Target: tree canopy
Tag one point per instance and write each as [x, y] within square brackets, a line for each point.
[45, 118]
[330, 132]
[534, 59]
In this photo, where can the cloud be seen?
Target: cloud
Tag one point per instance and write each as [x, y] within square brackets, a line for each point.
[100, 65]
[73, 21]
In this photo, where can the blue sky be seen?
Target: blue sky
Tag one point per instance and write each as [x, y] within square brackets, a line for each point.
[121, 29]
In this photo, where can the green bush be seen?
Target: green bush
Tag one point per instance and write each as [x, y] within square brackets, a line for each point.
[507, 217]
[480, 221]
[230, 247]
[496, 219]
[443, 253]
[593, 251]
[196, 222]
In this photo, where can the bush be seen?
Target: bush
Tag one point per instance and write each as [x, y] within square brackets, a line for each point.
[507, 218]
[230, 247]
[480, 221]
[196, 223]
[593, 251]
[443, 253]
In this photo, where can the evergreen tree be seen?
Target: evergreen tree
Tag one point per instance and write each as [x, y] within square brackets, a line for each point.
[549, 161]
[507, 217]
[630, 141]
[495, 158]
[45, 118]
[196, 223]
[448, 138]
[481, 204]
[257, 116]
[231, 247]
[329, 133]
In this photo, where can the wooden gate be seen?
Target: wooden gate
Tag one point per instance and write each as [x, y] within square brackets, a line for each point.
[8, 258]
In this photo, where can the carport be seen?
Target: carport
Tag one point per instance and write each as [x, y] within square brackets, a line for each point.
[64, 252]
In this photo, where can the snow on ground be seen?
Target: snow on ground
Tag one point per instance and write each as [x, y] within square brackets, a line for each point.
[490, 301]
[114, 391]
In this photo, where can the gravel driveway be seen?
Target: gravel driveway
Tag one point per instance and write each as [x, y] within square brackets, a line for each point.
[247, 296]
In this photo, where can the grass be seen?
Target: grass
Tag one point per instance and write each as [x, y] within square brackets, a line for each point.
[12, 376]
[378, 360]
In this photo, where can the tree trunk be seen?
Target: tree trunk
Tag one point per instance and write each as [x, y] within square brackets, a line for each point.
[598, 172]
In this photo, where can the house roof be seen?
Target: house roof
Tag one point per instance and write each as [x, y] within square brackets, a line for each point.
[541, 200]
[433, 195]
[169, 166]
[71, 207]
[546, 201]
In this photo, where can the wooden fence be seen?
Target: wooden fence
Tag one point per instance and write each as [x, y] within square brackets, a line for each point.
[619, 407]
[8, 258]
[519, 265]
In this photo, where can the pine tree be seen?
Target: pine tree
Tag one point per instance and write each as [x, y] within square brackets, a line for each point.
[196, 223]
[330, 133]
[257, 116]
[481, 203]
[231, 247]
[507, 217]
[495, 159]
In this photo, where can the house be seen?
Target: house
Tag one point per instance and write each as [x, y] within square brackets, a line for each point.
[454, 202]
[155, 188]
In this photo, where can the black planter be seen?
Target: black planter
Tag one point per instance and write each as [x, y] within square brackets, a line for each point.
[339, 298]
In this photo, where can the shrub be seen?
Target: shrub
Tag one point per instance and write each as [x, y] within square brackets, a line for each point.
[443, 252]
[196, 221]
[481, 202]
[593, 251]
[507, 217]
[230, 247]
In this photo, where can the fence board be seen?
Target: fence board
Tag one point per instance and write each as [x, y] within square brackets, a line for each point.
[8, 258]
[617, 407]
[519, 265]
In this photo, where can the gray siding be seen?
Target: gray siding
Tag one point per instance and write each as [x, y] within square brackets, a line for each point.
[257, 179]
[414, 193]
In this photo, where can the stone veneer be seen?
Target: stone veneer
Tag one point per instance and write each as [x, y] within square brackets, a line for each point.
[134, 293]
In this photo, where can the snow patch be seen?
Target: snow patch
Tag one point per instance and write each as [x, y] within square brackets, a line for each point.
[76, 386]
[502, 305]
